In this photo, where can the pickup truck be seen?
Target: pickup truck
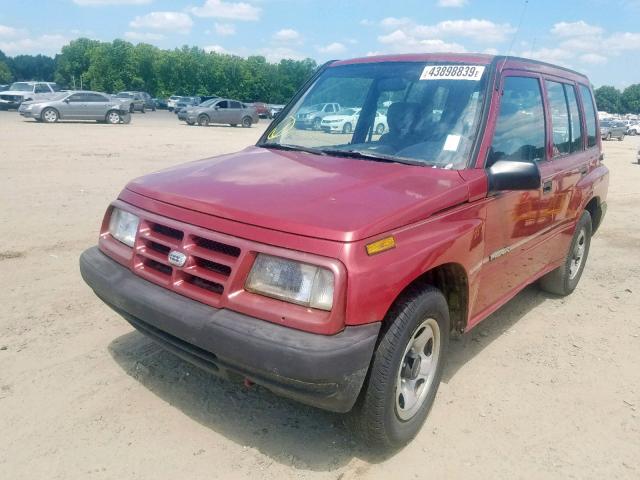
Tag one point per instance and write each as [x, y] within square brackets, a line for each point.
[333, 269]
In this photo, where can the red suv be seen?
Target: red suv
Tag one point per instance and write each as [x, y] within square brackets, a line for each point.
[332, 268]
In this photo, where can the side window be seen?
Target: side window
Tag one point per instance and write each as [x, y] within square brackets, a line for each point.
[589, 114]
[95, 97]
[520, 127]
[54, 87]
[42, 88]
[574, 117]
[77, 97]
[223, 104]
[559, 118]
[235, 105]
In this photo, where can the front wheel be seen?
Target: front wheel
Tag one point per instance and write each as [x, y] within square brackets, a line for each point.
[49, 115]
[316, 123]
[621, 138]
[143, 109]
[564, 279]
[113, 117]
[608, 136]
[346, 128]
[203, 120]
[406, 369]
[246, 122]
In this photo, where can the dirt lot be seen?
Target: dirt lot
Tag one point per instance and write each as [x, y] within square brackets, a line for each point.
[545, 388]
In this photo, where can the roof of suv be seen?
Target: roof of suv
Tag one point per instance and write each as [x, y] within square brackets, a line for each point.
[477, 58]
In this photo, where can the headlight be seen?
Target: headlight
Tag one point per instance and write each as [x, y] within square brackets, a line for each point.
[291, 281]
[123, 226]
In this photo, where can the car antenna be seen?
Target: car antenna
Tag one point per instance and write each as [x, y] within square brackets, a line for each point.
[515, 34]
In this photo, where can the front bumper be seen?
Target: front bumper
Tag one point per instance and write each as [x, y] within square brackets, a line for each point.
[29, 113]
[322, 371]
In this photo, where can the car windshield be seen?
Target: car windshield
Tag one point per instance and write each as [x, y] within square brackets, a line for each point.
[207, 103]
[409, 112]
[124, 95]
[20, 87]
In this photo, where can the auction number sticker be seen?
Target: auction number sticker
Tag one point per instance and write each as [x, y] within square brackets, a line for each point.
[452, 72]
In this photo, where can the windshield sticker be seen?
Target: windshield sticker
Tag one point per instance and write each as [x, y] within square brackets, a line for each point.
[452, 72]
[451, 143]
[282, 128]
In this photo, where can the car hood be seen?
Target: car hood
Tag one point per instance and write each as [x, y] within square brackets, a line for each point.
[341, 199]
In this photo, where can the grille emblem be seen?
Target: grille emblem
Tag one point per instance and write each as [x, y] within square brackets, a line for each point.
[177, 258]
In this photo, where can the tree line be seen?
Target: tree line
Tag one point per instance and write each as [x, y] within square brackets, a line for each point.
[120, 65]
[612, 100]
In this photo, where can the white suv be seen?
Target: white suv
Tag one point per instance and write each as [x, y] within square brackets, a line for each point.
[20, 92]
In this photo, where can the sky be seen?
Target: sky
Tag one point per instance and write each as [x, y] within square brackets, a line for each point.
[598, 37]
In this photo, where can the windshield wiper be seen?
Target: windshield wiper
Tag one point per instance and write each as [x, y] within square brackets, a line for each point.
[378, 157]
[293, 148]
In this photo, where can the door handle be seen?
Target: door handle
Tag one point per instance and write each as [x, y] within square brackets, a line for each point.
[547, 186]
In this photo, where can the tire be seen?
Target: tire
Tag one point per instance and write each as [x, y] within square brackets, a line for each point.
[346, 128]
[143, 109]
[49, 115]
[126, 118]
[608, 136]
[234, 125]
[385, 414]
[564, 279]
[246, 122]
[190, 123]
[203, 120]
[621, 138]
[316, 123]
[113, 117]
[380, 129]
[153, 109]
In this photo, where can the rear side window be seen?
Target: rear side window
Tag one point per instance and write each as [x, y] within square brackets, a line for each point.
[235, 105]
[590, 115]
[520, 127]
[560, 123]
[42, 88]
[574, 116]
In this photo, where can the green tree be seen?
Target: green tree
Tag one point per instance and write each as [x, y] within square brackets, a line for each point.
[5, 73]
[631, 99]
[608, 99]
[74, 61]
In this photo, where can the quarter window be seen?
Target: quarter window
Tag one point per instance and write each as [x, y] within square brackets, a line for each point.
[574, 115]
[589, 114]
[560, 123]
[520, 127]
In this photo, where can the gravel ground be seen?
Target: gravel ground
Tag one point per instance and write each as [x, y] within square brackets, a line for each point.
[544, 388]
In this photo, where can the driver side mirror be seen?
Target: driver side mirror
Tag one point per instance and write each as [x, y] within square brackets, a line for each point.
[510, 175]
[66, 100]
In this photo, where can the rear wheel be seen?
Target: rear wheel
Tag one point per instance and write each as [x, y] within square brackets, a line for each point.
[246, 122]
[114, 118]
[621, 138]
[406, 369]
[203, 120]
[346, 128]
[49, 115]
[608, 136]
[564, 279]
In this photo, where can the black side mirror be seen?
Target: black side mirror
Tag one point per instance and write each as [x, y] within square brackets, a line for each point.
[509, 175]
[66, 100]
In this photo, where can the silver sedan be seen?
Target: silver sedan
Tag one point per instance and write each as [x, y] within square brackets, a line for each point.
[78, 105]
[221, 110]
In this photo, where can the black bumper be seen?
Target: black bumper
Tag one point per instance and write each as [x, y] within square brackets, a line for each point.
[322, 371]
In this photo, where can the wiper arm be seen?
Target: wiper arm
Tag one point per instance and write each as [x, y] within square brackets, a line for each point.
[378, 157]
[292, 148]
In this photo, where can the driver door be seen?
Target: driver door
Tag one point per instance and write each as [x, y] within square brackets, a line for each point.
[516, 221]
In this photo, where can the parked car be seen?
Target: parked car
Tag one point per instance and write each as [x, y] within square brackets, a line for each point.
[186, 102]
[136, 101]
[171, 102]
[333, 272]
[342, 121]
[633, 128]
[161, 103]
[222, 110]
[312, 115]
[183, 113]
[261, 108]
[274, 110]
[20, 92]
[78, 105]
[149, 103]
[612, 129]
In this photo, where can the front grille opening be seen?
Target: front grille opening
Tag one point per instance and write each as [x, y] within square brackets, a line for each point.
[165, 269]
[212, 287]
[167, 231]
[158, 247]
[217, 246]
[214, 267]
